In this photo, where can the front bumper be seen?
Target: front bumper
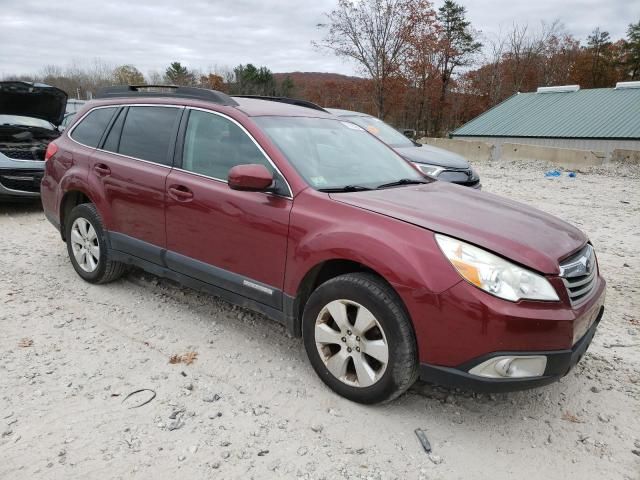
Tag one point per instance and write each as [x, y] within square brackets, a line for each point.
[559, 363]
[20, 179]
[8, 193]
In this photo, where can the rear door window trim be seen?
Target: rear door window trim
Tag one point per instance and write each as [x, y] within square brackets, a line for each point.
[125, 105]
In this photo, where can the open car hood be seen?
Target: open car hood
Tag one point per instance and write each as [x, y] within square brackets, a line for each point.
[36, 100]
[515, 231]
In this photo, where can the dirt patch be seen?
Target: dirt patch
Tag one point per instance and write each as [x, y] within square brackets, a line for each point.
[250, 406]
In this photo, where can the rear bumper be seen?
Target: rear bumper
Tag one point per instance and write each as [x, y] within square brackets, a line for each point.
[559, 363]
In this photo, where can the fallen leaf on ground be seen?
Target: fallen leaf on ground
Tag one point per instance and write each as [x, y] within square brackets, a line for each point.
[188, 358]
[25, 342]
[570, 417]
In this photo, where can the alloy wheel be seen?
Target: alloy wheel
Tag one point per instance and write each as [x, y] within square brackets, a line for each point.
[84, 244]
[351, 343]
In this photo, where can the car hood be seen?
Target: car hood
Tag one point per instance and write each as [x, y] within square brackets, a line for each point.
[433, 156]
[515, 231]
[35, 100]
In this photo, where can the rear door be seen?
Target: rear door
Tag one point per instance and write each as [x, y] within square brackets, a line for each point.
[131, 168]
[233, 239]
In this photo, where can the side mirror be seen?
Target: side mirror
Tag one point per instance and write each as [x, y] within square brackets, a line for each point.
[252, 177]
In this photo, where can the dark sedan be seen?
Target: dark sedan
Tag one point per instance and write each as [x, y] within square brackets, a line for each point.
[435, 162]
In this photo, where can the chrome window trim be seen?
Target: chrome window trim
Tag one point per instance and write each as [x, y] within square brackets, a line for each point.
[68, 133]
[246, 132]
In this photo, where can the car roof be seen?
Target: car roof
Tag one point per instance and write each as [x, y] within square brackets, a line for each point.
[255, 107]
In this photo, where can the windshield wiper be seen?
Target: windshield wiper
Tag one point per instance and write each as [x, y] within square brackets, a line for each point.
[403, 181]
[346, 188]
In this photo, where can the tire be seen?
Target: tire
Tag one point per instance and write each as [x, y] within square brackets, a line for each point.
[328, 344]
[85, 220]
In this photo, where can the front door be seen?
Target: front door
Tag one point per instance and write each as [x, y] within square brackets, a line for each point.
[233, 239]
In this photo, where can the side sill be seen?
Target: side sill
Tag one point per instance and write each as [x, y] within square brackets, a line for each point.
[199, 285]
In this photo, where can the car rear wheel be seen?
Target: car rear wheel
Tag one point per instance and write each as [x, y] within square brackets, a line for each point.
[359, 339]
[87, 246]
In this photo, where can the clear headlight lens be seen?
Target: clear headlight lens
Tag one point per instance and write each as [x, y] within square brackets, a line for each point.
[431, 170]
[494, 274]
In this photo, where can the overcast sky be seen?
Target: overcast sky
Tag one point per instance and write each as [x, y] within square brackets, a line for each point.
[205, 33]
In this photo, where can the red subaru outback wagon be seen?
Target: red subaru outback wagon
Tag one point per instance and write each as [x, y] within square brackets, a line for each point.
[387, 275]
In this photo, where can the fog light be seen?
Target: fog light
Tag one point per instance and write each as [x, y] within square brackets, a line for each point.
[511, 367]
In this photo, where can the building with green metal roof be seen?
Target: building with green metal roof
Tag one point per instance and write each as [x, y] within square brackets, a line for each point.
[598, 119]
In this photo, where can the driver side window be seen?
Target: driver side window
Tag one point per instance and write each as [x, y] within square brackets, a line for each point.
[213, 145]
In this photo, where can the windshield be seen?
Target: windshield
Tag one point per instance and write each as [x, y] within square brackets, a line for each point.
[20, 121]
[383, 131]
[331, 154]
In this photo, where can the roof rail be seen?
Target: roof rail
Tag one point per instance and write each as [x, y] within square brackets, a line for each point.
[290, 101]
[166, 91]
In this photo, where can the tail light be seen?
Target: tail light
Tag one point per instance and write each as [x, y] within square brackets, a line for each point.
[52, 149]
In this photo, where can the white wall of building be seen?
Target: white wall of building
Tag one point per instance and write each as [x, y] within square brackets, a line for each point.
[605, 146]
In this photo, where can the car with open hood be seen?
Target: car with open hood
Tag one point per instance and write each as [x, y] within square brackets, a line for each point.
[433, 161]
[385, 273]
[30, 114]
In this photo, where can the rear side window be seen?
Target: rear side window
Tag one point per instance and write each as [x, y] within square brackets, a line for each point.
[148, 132]
[90, 129]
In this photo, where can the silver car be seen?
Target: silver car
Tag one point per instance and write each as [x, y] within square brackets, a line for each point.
[30, 116]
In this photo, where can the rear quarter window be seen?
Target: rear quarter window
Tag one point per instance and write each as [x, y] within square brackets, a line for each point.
[90, 129]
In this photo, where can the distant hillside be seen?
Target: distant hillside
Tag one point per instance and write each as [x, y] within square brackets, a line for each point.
[316, 77]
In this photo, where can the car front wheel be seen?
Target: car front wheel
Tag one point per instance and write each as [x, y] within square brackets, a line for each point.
[359, 339]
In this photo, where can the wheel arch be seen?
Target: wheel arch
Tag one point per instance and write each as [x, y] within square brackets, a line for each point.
[322, 272]
[71, 199]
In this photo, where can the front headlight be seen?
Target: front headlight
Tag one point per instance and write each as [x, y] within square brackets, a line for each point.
[431, 170]
[494, 274]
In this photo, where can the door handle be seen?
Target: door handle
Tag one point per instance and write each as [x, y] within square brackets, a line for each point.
[101, 169]
[180, 193]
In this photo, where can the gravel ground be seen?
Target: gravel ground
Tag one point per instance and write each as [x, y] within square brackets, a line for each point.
[250, 406]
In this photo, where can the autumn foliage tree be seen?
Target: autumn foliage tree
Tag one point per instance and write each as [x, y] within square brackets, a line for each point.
[373, 33]
[631, 56]
[422, 66]
[128, 75]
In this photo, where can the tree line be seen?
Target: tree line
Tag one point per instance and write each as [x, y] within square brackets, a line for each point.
[83, 81]
[420, 67]
[432, 70]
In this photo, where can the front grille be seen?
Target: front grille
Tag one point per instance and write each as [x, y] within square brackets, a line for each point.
[579, 274]
[23, 180]
[24, 153]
